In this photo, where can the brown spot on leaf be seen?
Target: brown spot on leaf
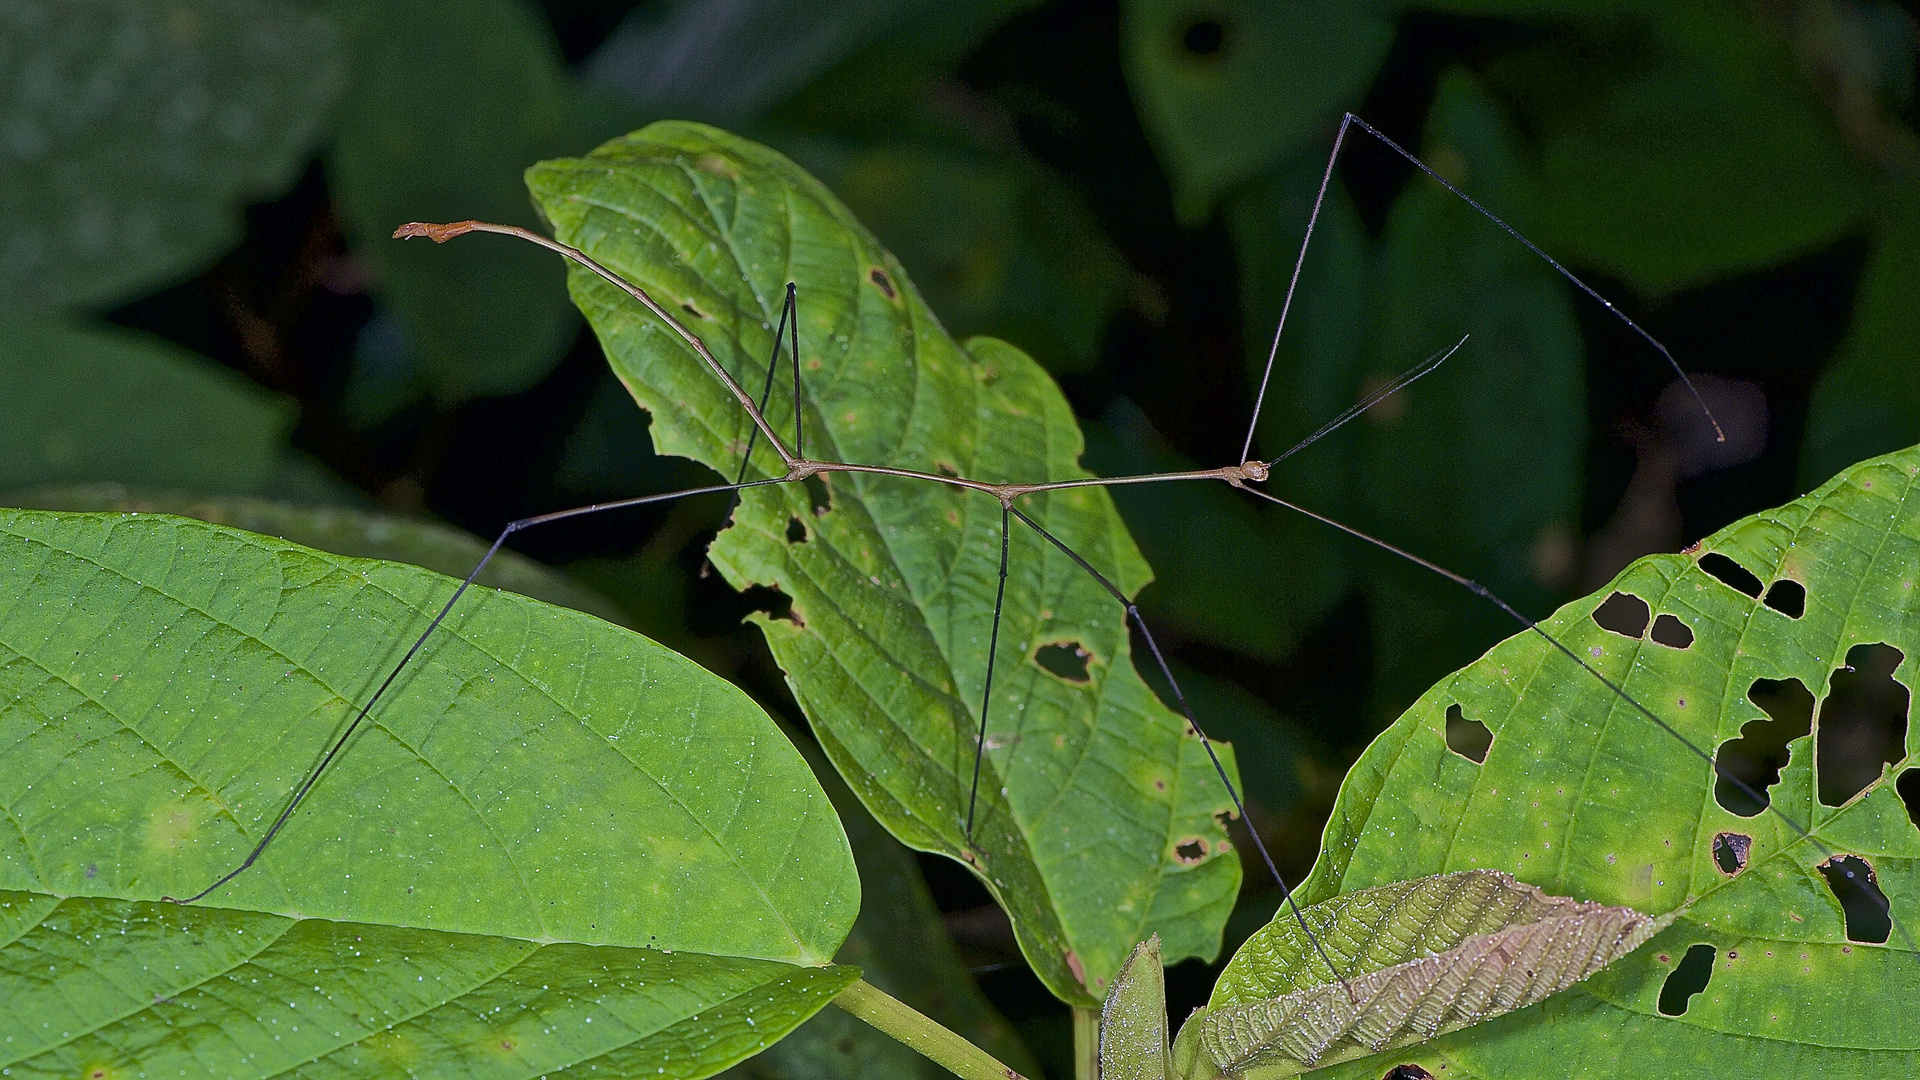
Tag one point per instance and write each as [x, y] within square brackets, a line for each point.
[882, 282]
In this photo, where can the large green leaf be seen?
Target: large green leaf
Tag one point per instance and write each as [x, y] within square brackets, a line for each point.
[1093, 793]
[341, 530]
[138, 128]
[1715, 158]
[1583, 796]
[558, 843]
[1228, 90]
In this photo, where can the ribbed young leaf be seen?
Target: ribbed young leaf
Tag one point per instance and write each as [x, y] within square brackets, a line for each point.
[1097, 818]
[1414, 959]
[556, 844]
[1583, 796]
[1133, 1020]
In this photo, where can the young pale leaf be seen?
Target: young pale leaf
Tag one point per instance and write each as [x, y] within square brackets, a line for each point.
[498, 869]
[1581, 794]
[1415, 959]
[1097, 815]
[1133, 1021]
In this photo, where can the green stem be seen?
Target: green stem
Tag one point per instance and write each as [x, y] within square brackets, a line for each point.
[1086, 1044]
[898, 1019]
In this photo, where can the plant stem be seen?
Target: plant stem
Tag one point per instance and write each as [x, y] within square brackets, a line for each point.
[1086, 1044]
[898, 1019]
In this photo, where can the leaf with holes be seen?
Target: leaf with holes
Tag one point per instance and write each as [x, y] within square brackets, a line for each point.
[497, 873]
[1098, 814]
[1804, 619]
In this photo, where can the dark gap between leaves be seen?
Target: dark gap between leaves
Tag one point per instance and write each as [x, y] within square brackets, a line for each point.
[1863, 723]
[1067, 660]
[1468, 738]
[1758, 755]
[1730, 852]
[819, 494]
[1862, 903]
[1788, 597]
[1624, 614]
[1731, 573]
[1671, 632]
[1690, 978]
[1204, 38]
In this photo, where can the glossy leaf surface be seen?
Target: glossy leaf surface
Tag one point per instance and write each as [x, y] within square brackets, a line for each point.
[494, 878]
[1093, 793]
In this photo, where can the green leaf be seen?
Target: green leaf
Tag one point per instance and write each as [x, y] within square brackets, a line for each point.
[453, 98]
[1091, 788]
[1583, 796]
[137, 129]
[171, 420]
[341, 530]
[1715, 158]
[1133, 1020]
[1000, 244]
[1226, 91]
[500, 870]
[1445, 271]
[1868, 401]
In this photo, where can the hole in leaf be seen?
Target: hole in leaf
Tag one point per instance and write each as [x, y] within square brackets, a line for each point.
[1861, 902]
[1758, 755]
[1672, 633]
[772, 603]
[1731, 573]
[1691, 977]
[1204, 37]
[945, 469]
[1909, 788]
[881, 281]
[819, 495]
[1863, 723]
[1406, 1072]
[796, 532]
[693, 311]
[1190, 850]
[1624, 614]
[1730, 852]
[1788, 597]
[1468, 738]
[1067, 660]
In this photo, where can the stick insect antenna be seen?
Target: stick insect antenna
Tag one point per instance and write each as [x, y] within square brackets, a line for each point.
[993, 649]
[1720, 771]
[339, 743]
[1313, 218]
[1405, 380]
[1219, 768]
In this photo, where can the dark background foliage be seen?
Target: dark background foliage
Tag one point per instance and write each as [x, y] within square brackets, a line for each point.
[200, 305]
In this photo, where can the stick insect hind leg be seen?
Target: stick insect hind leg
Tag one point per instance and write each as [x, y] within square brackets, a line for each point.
[788, 327]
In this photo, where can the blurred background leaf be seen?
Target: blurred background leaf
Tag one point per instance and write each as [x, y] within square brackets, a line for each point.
[203, 308]
[135, 130]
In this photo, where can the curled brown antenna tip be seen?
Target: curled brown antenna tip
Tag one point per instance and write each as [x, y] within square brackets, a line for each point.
[439, 234]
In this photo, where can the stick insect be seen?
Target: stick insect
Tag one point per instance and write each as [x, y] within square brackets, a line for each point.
[979, 816]
[973, 821]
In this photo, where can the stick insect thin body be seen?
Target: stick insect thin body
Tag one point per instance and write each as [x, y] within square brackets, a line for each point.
[1012, 498]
